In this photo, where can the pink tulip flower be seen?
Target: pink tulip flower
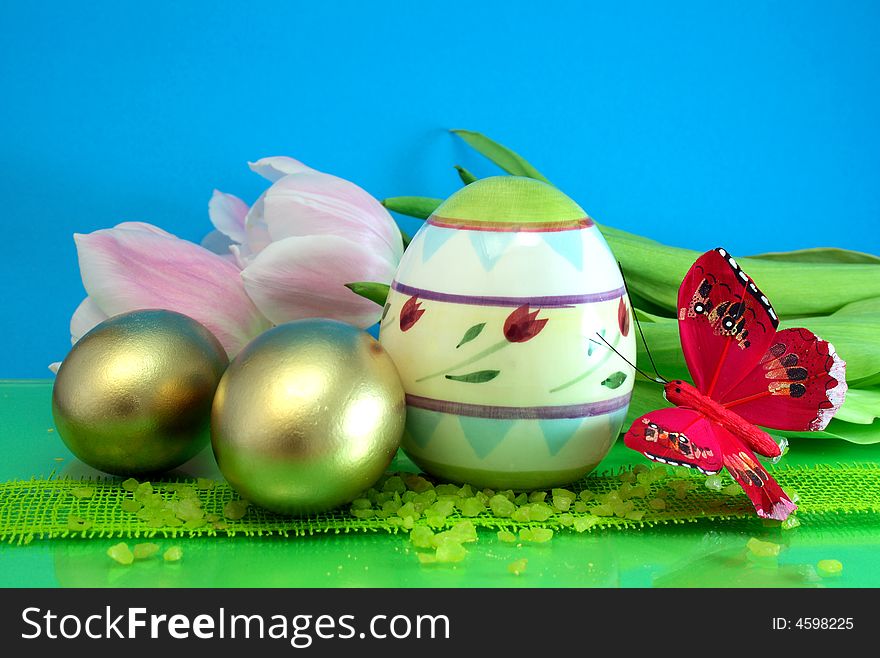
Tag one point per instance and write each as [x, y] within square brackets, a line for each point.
[304, 238]
[138, 266]
[286, 258]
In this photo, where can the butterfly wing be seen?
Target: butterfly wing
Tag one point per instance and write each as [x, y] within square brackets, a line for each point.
[684, 437]
[677, 436]
[797, 385]
[767, 496]
[726, 323]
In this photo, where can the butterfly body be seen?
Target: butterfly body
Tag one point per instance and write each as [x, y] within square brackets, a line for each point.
[746, 373]
[683, 394]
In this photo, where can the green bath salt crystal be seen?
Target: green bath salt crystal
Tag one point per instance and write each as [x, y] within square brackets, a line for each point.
[130, 484]
[463, 531]
[584, 523]
[540, 512]
[190, 512]
[205, 484]
[521, 515]
[472, 507]
[143, 491]
[537, 496]
[506, 536]
[131, 506]
[361, 503]
[563, 500]
[760, 548]
[714, 482]
[417, 483]
[235, 509]
[657, 504]
[82, 492]
[450, 551]
[443, 507]
[145, 550]
[173, 554]
[827, 568]
[517, 567]
[501, 506]
[790, 523]
[580, 507]
[394, 484]
[732, 490]
[121, 553]
[536, 535]
[408, 511]
[422, 537]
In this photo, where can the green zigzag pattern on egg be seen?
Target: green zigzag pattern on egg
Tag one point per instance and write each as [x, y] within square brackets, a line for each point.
[506, 206]
[486, 434]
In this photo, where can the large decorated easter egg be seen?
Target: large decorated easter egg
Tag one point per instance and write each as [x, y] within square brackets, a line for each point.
[499, 321]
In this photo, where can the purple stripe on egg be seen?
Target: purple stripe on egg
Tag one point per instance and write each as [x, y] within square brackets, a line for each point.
[520, 413]
[552, 301]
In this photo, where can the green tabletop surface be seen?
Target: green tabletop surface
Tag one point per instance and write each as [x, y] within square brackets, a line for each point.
[699, 554]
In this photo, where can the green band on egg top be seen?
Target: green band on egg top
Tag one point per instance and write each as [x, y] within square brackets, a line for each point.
[510, 203]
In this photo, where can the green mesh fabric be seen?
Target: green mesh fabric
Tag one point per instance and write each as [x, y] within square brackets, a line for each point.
[50, 508]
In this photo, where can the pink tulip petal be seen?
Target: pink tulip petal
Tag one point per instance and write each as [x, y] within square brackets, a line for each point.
[257, 233]
[305, 277]
[144, 226]
[227, 213]
[86, 316]
[320, 204]
[278, 166]
[124, 270]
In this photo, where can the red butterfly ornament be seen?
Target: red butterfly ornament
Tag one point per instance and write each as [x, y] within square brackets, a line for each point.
[745, 374]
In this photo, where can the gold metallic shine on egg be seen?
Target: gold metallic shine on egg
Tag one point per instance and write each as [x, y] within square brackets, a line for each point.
[307, 416]
[134, 394]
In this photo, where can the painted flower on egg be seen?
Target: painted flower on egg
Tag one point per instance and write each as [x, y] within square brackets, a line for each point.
[410, 313]
[521, 325]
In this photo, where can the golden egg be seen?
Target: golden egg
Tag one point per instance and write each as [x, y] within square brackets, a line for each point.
[308, 415]
[134, 394]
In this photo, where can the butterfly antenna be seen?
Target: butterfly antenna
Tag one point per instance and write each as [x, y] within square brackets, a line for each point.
[660, 377]
[630, 363]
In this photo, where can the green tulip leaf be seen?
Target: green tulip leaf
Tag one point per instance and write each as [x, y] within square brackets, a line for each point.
[821, 255]
[375, 292]
[508, 160]
[861, 406]
[614, 380]
[412, 206]
[477, 377]
[466, 177]
[470, 334]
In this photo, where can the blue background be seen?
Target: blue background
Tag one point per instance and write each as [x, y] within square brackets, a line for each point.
[744, 124]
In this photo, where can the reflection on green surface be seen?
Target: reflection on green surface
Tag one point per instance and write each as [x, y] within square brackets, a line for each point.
[701, 554]
[698, 555]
